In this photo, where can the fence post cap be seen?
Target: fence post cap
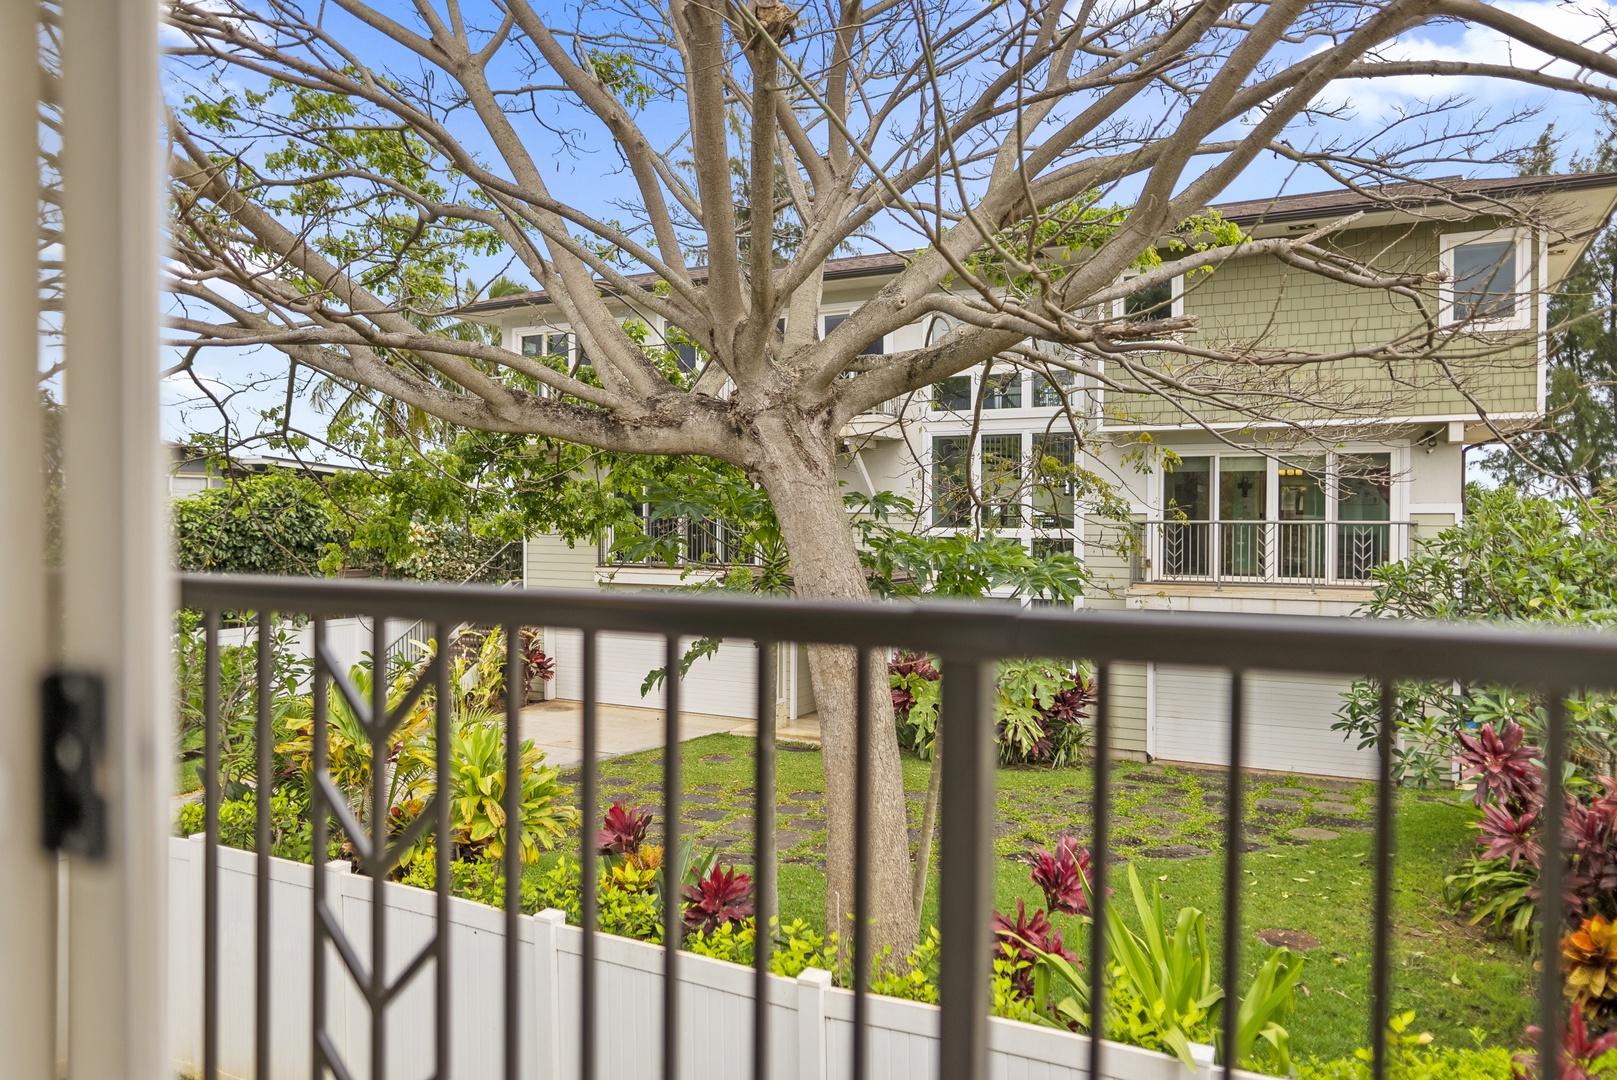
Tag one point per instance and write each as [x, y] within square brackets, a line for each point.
[550, 916]
[814, 977]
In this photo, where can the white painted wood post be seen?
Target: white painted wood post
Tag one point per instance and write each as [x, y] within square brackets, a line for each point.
[547, 992]
[339, 987]
[811, 987]
[28, 884]
[118, 595]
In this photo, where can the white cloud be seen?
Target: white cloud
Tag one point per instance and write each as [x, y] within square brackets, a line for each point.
[1589, 23]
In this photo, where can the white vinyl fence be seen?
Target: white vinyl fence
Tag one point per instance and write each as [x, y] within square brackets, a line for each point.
[811, 1027]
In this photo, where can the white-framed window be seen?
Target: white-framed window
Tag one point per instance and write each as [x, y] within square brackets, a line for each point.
[1023, 480]
[1163, 300]
[1304, 517]
[540, 343]
[1487, 279]
[830, 321]
[1004, 387]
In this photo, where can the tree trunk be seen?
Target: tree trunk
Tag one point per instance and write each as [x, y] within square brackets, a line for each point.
[929, 820]
[800, 479]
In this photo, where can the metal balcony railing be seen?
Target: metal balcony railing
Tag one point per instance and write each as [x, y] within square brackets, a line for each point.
[970, 639]
[1274, 552]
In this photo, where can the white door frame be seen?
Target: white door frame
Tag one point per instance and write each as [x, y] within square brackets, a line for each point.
[117, 591]
[28, 883]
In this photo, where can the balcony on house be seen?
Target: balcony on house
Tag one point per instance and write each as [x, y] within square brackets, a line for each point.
[1283, 552]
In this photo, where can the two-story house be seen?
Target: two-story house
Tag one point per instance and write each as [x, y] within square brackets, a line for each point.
[1281, 494]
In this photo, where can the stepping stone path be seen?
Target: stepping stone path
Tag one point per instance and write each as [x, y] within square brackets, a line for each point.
[655, 785]
[805, 796]
[701, 798]
[617, 782]
[1313, 834]
[708, 813]
[1327, 821]
[798, 748]
[1282, 805]
[1290, 793]
[718, 759]
[1334, 808]
[1156, 832]
[785, 839]
[810, 824]
[1295, 940]
[1163, 813]
[1176, 851]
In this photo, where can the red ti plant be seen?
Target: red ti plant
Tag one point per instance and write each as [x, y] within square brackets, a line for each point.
[1012, 938]
[536, 665]
[1507, 836]
[724, 896]
[1581, 1056]
[623, 830]
[1501, 764]
[1064, 876]
[1592, 842]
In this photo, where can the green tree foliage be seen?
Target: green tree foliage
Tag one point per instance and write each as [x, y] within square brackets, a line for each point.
[1576, 445]
[1515, 558]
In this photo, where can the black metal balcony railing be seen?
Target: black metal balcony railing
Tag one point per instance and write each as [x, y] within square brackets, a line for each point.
[969, 639]
[1280, 552]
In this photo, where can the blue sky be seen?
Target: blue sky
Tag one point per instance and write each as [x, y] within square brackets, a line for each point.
[588, 177]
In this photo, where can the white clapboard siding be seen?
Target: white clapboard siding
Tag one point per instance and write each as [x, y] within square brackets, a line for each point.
[1289, 720]
[722, 685]
[811, 1033]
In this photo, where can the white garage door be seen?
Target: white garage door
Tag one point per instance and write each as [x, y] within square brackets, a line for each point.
[722, 684]
[1289, 720]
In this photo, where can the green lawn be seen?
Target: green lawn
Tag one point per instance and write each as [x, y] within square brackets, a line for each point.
[1168, 822]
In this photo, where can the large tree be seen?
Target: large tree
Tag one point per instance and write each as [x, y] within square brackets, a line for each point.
[331, 164]
[1575, 446]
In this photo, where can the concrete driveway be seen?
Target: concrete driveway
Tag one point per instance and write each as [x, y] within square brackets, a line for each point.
[557, 728]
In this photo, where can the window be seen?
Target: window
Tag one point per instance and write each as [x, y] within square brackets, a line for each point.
[951, 481]
[1161, 301]
[1053, 481]
[1153, 303]
[1002, 390]
[1488, 277]
[875, 348]
[1001, 458]
[549, 344]
[953, 393]
[1053, 389]
[1323, 517]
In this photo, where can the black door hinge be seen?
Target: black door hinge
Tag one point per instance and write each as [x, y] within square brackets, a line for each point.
[73, 716]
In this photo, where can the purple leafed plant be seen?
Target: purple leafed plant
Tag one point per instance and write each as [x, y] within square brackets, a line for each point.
[1579, 1053]
[1012, 938]
[724, 896]
[1063, 876]
[623, 830]
[1501, 764]
[1507, 836]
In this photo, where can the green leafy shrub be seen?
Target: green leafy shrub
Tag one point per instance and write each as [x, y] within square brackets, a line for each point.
[1160, 991]
[1039, 708]
[1515, 558]
[477, 777]
[290, 832]
[1497, 894]
[1412, 1055]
